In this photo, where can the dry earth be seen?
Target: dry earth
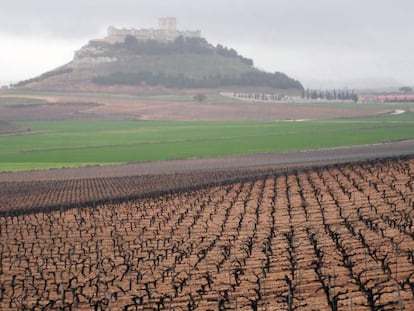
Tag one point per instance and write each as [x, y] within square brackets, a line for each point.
[338, 238]
[128, 107]
[296, 159]
[332, 238]
[26, 192]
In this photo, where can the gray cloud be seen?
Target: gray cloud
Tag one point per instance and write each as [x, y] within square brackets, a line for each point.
[307, 39]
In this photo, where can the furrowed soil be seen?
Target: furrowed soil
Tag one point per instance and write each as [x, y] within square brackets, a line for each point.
[122, 107]
[328, 229]
[329, 238]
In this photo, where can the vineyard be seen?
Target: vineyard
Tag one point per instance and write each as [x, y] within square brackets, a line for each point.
[334, 238]
[25, 197]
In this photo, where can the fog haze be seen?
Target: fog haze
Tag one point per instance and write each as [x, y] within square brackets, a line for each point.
[322, 43]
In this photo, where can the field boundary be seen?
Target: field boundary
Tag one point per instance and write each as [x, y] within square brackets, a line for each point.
[259, 160]
[167, 184]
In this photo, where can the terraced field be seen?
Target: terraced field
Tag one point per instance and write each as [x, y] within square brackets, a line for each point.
[334, 238]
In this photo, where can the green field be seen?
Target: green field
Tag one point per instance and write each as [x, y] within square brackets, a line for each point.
[15, 101]
[65, 144]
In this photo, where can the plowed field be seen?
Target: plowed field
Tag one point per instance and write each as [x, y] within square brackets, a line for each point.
[335, 238]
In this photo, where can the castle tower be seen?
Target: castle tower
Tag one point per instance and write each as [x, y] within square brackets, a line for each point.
[168, 24]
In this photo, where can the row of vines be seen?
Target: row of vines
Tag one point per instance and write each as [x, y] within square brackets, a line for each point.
[23, 197]
[339, 238]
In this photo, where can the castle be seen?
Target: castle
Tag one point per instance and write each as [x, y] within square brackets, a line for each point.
[167, 31]
[93, 54]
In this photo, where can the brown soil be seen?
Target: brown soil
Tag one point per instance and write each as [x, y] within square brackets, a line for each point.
[338, 238]
[294, 159]
[47, 112]
[242, 232]
[125, 107]
[63, 188]
[242, 111]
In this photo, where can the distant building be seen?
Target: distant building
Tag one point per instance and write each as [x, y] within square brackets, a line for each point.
[168, 24]
[94, 54]
[167, 31]
[381, 98]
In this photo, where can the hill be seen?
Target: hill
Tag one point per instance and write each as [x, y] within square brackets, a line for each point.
[185, 62]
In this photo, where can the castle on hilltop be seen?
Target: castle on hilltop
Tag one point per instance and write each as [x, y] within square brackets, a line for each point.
[167, 31]
[94, 54]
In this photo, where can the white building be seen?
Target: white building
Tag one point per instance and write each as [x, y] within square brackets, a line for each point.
[167, 31]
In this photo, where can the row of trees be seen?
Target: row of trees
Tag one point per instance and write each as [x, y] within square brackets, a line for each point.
[179, 45]
[335, 94]
[255, 78]
[406, 89]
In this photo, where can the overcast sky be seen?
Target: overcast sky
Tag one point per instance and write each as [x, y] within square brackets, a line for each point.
[311, 40]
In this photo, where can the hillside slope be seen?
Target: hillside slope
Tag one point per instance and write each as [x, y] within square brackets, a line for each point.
[182, 63]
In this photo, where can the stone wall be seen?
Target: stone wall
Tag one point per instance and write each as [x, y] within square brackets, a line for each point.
[167, 31]
[116, 35]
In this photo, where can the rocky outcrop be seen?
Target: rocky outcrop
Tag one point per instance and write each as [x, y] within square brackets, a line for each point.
[90, 55]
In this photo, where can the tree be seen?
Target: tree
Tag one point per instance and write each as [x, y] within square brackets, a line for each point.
[200, 97]
[130, 42]
[406, 89]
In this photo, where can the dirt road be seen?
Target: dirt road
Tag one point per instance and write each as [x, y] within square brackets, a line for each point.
[317, 157]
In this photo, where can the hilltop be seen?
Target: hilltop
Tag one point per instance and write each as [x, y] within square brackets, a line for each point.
[162, 57]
